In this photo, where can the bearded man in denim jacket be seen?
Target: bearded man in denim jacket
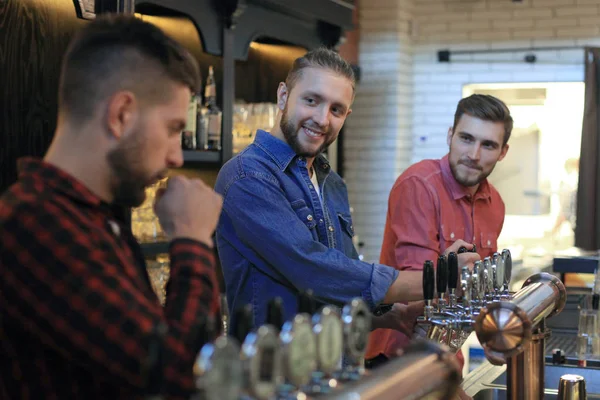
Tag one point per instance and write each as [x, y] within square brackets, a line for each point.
[286, 226]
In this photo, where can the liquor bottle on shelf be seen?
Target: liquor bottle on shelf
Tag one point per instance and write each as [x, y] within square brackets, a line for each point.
[212, 112]
[188, 135]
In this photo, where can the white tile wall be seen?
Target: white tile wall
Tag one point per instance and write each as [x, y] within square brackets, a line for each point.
[378, 133]
[406, 99]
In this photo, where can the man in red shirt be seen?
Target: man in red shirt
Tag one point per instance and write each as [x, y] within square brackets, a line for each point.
[79, 317]
[435, 202]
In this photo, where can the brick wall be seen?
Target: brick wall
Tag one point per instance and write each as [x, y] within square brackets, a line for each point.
[378, 138]
[406, 100]
[490, 24]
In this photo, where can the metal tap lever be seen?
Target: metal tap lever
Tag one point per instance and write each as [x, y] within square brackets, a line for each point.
[488, 275]
[452, 278]
[442, 281]
[476, 285]
[507, 261]
[428, 287]
[243, 323]
[275, 313]
[306, 303]
[466, 284]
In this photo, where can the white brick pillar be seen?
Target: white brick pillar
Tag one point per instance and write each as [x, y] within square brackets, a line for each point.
[378, 138]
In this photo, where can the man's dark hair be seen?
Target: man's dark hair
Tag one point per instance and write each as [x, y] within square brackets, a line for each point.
[487, 108]
[121, 52]
[320, 58]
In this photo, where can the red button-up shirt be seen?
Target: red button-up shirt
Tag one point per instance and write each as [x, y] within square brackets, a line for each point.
[79, 318]
[428, 210]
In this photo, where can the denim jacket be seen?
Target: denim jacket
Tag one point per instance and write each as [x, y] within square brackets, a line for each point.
[276, 237]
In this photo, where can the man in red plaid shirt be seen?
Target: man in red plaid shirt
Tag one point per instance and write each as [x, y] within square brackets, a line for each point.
[79, 318]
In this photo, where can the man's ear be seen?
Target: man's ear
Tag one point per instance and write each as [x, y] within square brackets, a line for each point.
[449, 137]
[282, 95]
[503, 152]
[121, 111]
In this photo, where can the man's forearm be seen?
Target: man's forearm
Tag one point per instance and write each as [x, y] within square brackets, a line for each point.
[408, 286]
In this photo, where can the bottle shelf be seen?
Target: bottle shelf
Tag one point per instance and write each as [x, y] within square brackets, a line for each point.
[201, 156]
[151, 250]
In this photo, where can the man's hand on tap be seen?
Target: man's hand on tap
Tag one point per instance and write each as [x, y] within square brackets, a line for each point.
[464, 259]
[408, 286]
[402, 317]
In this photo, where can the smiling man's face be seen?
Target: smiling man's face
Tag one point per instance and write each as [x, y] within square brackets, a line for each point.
[315, 110]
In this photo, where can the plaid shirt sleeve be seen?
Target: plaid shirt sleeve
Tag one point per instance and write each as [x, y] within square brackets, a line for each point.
[74, 294]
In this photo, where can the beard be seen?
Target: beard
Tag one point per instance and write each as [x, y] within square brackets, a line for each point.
[128, 177]
[465, 180]
[291, 130]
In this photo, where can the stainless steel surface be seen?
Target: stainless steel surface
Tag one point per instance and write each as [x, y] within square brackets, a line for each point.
[404, 378]
[501, 394]
[571, 387]
[488, 382]
[505, 327]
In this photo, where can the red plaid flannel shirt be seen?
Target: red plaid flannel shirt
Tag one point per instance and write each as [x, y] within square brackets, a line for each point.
[79, 318]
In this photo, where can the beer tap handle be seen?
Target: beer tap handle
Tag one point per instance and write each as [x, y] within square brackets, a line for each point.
[486, 284]
[442, 276]
[428, 280]
[488, 276]
[475, 281]
[306, 303]
[462, 249]
[452, 277]
[275, 313]
[466, 286]
[243, 323]
[507, 258]
[474, 249]
[482, 280]
[495, 258]
[428, 287]
[499, 279]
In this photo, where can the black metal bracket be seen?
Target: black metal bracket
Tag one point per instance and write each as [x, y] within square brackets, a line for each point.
[329, 34]
[446, 54]
[230, 10]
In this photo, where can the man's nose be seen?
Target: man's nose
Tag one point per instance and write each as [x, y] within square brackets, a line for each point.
[475, 152]
[175, 157]
[322, 117]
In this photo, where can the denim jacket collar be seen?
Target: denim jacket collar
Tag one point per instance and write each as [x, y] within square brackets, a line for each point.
[281, 152]
[278, 150]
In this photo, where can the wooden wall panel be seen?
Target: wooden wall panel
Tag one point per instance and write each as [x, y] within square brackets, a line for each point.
[34, 35]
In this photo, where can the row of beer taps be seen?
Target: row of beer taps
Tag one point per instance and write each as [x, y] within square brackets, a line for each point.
[450, 318]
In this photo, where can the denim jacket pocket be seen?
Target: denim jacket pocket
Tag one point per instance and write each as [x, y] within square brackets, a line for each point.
[347, 235]
[346, 223]
[306, 215]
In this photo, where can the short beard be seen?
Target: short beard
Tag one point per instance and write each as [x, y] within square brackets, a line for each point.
[468, 182]
[128, 181]
[290, 132]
